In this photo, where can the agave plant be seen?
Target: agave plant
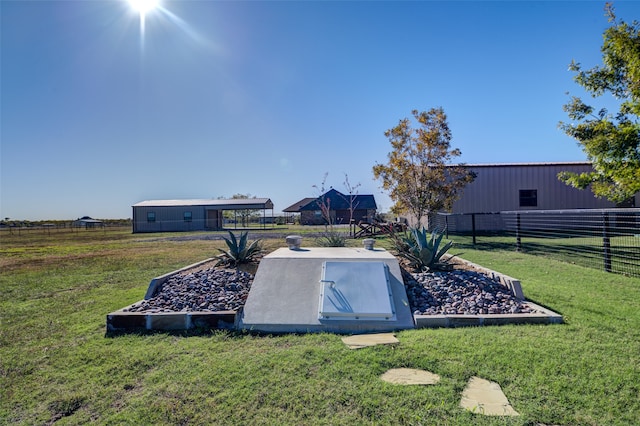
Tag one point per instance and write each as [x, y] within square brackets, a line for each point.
[332, 239]
[422, 249]
[239, 252]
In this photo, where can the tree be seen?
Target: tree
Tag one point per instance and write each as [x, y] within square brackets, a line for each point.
[324, 203]
[246, 215]
[612, 143]
[418, 175]
[331, 238]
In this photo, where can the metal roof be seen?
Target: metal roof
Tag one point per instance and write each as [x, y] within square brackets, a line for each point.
[560, 163]
[339, 201]
[239, 203]
[295, 208]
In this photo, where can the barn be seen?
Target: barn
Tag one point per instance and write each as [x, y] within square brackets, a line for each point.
[190, 215]
[526, 186]
[522, 187]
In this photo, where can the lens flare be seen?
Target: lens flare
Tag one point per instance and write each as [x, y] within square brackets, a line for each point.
[143, 6]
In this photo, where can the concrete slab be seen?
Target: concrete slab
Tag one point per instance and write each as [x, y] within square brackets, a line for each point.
[359, 341]
[484, 397]
[123, 321]
[285, 294]
[410, 376]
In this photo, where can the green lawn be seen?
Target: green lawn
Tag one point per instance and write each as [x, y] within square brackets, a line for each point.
[56, 365]
[624, 251]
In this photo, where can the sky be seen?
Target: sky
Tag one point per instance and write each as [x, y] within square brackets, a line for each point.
[100, 110]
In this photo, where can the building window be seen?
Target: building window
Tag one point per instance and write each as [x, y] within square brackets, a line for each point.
[528, 198]
[187, 216]
[151, 216]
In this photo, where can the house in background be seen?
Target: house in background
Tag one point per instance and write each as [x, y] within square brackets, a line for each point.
[340, 205]
[190, 215]
[294, 210]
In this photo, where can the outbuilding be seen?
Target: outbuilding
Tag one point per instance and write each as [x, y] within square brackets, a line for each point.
[191, 215]
[87, 222]
[527, 186]
[519, 187]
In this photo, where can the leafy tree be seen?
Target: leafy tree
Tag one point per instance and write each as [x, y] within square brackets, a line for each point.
[418, 175]
[611, 142]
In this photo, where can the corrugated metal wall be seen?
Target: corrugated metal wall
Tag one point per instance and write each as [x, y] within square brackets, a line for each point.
[168, 219]
[497, 188]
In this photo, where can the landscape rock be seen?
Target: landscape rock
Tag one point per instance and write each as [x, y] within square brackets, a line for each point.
[212, 289]
[459, 292]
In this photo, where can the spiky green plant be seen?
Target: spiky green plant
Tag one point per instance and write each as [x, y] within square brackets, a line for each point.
[422, 249]
[239, 250]
[332, 239]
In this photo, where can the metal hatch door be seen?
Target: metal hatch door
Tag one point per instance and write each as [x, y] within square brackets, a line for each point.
[356, 291]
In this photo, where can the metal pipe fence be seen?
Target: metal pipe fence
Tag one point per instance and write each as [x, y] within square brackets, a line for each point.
[607, 239]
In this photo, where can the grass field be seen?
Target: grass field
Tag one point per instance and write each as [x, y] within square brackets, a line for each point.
[57, 366]
[623, 252]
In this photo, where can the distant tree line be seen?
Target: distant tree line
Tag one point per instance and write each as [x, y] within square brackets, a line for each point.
[17, 223]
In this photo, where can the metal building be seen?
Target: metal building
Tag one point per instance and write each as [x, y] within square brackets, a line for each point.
[514, 187]
[190, 215]
[527, 186]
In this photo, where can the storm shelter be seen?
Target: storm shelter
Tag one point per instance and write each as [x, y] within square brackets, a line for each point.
[334, 289]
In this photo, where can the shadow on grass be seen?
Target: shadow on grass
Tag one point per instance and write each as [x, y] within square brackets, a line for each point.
[486, 245]
[196, 332]
[199, 331]
[622, 259]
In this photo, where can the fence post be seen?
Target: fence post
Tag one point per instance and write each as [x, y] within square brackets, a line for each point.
[606, 242]
[473, 227]
[446, 226]
[518, 239]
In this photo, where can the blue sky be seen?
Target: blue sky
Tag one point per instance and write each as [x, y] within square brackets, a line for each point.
[217, 98]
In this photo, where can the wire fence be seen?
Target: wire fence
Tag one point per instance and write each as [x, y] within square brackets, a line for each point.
[606, 239]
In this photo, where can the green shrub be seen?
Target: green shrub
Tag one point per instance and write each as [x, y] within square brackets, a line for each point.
[421, 249]
[239, 252]
[332, 239]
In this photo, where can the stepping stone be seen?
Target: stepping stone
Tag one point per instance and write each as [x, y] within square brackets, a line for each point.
[363, 340]
[484, 397]
[410, 376]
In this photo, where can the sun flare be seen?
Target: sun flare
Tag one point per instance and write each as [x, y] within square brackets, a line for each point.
[143, 6]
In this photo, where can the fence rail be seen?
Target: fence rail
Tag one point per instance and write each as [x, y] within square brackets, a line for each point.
[607, 239]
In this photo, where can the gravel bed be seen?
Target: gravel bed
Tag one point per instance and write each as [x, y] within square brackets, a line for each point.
[460, 292]
[431, 293]
[205, 290]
